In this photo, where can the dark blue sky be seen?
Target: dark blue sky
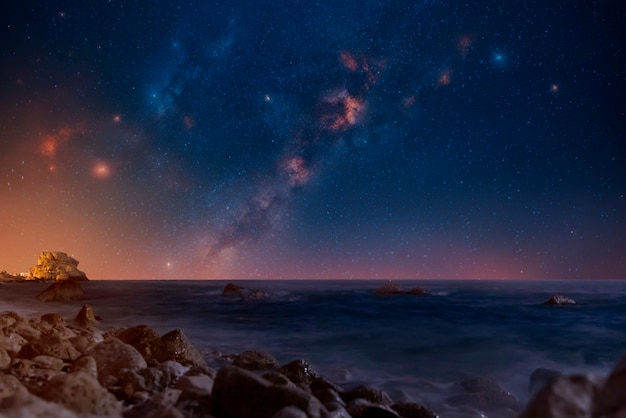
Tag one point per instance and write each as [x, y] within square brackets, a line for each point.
[432, 139]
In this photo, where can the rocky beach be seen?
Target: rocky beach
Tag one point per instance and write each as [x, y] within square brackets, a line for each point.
[61, 357]
[72, 366]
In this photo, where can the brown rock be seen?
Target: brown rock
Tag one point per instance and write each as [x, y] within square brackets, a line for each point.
[53, 319]
[56, 265]
[232, 289]
[5, 359]
[86, 316]
[255, 360]
[23, 404]
[112, 355]
[85, 364]
[62, 292]
[144, 339]
[9, 384]
[82, 393]
[175, 346]
[51, 345]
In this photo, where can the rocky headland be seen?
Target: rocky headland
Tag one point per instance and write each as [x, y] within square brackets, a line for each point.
[52, 266]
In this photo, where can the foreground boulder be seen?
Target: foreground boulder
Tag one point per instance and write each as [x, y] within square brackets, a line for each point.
[240, 393]
[62, 292]
[559, 300]
[57, 266]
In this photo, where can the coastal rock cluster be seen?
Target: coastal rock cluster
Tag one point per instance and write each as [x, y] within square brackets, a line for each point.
[50, 367]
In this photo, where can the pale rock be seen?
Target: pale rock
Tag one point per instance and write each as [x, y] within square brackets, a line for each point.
[22, 404]
[9, 384]
[111, 356]
[200, 382]
[48, 362]
[85, 364]
[32, 375]
[12, 343]
[82, 393]
[25, 330]
[172, 370]
[8, 318]
[5, 359]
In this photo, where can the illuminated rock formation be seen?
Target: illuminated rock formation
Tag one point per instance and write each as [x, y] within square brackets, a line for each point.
[57, 266]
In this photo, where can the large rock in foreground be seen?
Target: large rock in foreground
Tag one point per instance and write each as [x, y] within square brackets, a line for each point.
[56, 265]
[62, 292]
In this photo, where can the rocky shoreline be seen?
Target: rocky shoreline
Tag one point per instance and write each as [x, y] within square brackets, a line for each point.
[58, 367]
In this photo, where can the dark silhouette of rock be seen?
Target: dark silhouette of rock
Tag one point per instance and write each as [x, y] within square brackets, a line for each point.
[559, 300]
[413, 410]
[232, 289]
[62, 292]
[299, 372]
[57, 266]
[241, 393]
[567, 397]
[394, 289]
[541, 377]
[613, 395]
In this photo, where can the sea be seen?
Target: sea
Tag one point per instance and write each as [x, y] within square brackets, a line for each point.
[417, 348]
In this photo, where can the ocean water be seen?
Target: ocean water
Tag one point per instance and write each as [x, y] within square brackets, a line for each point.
[415, 347]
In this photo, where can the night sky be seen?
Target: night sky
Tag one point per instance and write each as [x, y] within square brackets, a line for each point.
[315, 139]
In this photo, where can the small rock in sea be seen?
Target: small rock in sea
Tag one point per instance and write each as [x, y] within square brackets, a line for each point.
[559, 300]
[256, 295]
[568, 397]
[393, 289]
[232, 289]
[63, 291]
[86, 316]
[255, 360]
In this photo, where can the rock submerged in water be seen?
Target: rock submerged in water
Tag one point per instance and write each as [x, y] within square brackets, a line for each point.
[62, 292]
[56, 266]
[559, 300]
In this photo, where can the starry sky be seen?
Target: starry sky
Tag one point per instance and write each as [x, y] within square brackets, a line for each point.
[323, 139]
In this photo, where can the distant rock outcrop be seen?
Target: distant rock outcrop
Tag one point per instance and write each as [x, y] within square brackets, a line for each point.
[56, 266]
[62, 292]
[559, 300]
[394, 289]
[232, 289]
